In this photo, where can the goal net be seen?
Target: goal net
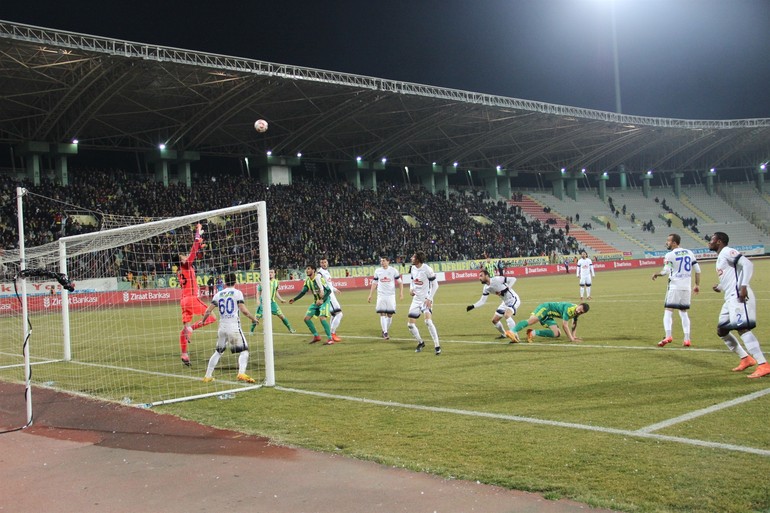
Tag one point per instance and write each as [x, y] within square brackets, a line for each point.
[117, 336]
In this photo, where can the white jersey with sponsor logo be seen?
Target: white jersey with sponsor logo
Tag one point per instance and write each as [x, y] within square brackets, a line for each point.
[500, 286]
[424, 284]
[386, 281]
[585, 268]
[679, 265]
[734, 270]
[227, 301]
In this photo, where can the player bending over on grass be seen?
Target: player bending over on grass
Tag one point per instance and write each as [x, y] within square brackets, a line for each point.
[274, 308]
[320, 307]
[545, 313]
[384, 280]
[423, 287]
[739, 311]
[191, 303]
[231, 304]
[501, 286]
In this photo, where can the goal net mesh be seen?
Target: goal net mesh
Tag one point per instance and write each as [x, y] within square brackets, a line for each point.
[118, 336]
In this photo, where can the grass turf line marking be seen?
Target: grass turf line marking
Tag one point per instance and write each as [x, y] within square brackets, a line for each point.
[531, 420]
[703, 411]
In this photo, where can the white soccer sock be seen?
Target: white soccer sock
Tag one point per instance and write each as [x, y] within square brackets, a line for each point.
[511, 324]
[384, 323]
[685, 323]
[414, 331]
[500, 328]
[733, 345]
[336, 322]
[752, 346]
[668, 322]
[213, 361]
[243, 361]
[588, 291]
[582, 288]
[388, 323]
[432, 331]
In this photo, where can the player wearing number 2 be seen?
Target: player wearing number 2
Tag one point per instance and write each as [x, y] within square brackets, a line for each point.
[678, 265]
[231, 304]
[739, 311]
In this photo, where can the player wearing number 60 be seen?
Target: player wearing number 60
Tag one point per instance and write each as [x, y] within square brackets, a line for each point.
[678, 265]
[231, 304]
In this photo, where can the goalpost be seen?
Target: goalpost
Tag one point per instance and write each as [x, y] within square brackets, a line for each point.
[116, 336]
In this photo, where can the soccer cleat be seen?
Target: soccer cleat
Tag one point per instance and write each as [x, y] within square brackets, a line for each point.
[336, 338]
[665, 341]
[512, 336]
[208, 379]
[245, 378]
[186, 359]
[292, 330]
[746, 362]
[315, 339]
[686, 343]
[385, 335]
[530, 335]
[420, 345]
[329, 342]
[762, 370]
[501, 337]
[438, 350]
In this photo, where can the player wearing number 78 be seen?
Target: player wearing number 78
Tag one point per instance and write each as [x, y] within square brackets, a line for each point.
[231, 304]
[678, 265]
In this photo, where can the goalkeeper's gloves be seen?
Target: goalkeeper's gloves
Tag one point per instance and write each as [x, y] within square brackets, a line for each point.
[198, 232]
[469, 308]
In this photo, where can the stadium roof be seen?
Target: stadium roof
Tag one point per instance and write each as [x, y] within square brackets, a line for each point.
[111, 94]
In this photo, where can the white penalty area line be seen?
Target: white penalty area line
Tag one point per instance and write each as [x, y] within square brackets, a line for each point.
[531, 420]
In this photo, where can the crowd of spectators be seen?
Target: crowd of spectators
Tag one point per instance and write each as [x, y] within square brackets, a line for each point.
[305, 219]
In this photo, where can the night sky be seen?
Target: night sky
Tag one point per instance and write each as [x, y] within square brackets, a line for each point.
[693, 59]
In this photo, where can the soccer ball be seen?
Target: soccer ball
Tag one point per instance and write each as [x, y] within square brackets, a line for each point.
[260, 125]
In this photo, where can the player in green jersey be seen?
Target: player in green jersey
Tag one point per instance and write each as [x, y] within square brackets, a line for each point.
[274, 308]
[545, 314]
[321, 305]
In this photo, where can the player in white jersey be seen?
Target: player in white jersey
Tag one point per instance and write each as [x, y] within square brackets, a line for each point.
[585, 270]
[510, 302]
[423, 287]
[231, 304]
[678, 265]
[384, 280]
[334, 305]
[739, 310]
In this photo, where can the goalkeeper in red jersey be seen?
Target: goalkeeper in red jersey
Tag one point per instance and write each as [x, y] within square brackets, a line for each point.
[191, 303]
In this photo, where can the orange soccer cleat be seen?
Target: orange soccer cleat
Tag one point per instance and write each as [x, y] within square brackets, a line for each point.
[665, 341]
[746, 362]
[762, 370]
[336, 338]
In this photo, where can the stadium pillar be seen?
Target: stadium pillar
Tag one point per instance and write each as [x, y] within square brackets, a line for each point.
[623, 178]
[572, 184]
[677, 183]
[603, 186]
[426, 177]
[760, 179]
[504, 187]
[489, 179]
[31, 152]
[160, 158]
[709, 176]
[557, 185]
[646, 178]
[184, 175]
[275, 170]
[442, 178]
[59, 153]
